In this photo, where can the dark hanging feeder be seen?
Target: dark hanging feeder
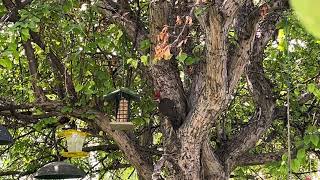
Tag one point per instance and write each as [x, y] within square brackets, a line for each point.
[59, 170]
[5, 136]
[122, 97]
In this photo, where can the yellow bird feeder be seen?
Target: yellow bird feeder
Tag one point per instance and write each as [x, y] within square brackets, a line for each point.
[75, 140]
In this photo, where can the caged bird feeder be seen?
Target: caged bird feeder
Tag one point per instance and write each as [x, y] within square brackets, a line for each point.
[122, 98]
[75, 140]
[5, 136]
[59, 170]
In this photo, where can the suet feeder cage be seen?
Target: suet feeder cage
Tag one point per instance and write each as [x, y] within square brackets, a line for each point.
[5, 136]
[59, 170]
[122, 98]
[75, 140]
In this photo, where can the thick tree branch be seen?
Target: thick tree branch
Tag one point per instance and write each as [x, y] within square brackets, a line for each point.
[13, 8]
[230, 9]
[107, 148]
[125, 18]
[212, 95]
[212, 167]
[33, 66]
[261, 89]
[245, 29]
[265, 102]
[246, 26]
[59, 69]
[212, 88]
[258, 159]
[130, 149]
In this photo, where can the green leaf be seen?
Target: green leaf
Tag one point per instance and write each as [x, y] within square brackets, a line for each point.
[308, 12]
[190, 60]
[200, 10]
[132, 62]
[78, 87]
[45, 123]
[66, 109]
[295, 165]
[314, 90]
[6, 63]
[138, 121]
[314, 139]
[307, 139]
[145, 44]
[32, 25]
[301, 153]
[312, 87]
[281, 40]
[119, 35]
[182, 57]
[144, 60]
[312, 129]
[25, 34]
[67, 6]
[91, 116]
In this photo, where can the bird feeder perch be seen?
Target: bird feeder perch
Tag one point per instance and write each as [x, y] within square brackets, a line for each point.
[75, 140]
[122, 98]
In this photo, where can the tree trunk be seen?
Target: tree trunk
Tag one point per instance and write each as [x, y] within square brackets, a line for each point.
[187, 120]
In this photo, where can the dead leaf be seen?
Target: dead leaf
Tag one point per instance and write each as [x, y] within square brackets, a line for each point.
[163, 37]
[162, 52]
[158, 52]
[162, 49]
[264, 9]
[189, 20]
[167, 54]
[178, 20]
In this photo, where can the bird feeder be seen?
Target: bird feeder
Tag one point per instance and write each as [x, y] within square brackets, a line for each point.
[122, 98]
[59, 170]
[75, 140]
[5, 136]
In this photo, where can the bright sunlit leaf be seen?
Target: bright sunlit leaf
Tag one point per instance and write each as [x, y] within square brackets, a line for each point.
[308, 12]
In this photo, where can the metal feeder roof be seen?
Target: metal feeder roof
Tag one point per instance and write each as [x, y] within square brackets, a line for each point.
[5, 136]
[122, 92]
[59, 170]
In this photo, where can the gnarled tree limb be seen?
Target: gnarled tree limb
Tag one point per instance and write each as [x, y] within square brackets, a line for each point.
[33, 69]
[125, 18]
[258, 159]
[58, 68]
[261, 88]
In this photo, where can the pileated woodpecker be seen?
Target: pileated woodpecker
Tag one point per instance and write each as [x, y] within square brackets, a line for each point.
[167, 107]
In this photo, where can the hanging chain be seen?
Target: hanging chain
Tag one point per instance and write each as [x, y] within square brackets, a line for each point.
[288, 132]
[288, 97]
[123, 73]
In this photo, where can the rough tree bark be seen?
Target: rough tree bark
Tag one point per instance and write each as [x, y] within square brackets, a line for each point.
[187, 150]
[188, 154]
